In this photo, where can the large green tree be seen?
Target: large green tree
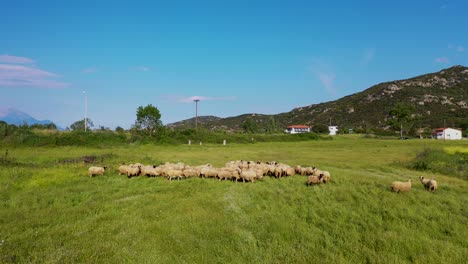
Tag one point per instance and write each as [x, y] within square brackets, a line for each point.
[272, 126]
[79, 125]
[400, 117]
[249, 125]
[148, 119]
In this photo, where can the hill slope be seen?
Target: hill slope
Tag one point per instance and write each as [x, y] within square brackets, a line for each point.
[17, 117]
[438, 98]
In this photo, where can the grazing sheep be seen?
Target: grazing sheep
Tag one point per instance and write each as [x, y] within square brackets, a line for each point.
[290, 171]
[174, 174]
[209, 172]
[429, 184]
[326, 176]
[189, 172]
[133, 171]
[225, 174]
[314, 180]
[316, 172]
[96, 171]
[298, 169]
[248, 175]
[151, 171]
[123, 169]
[398, 186]
[433, 185]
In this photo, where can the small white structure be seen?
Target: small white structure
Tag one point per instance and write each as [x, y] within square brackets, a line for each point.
[447, 133]
[333, 130]
[297, 129]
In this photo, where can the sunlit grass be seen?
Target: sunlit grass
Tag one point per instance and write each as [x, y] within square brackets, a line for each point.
[52, 211]
[455, 149]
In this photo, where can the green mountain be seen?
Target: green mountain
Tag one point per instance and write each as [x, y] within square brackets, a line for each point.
[438, 99]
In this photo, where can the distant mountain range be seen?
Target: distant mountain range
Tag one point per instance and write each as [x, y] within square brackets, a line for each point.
[17, 117]
[439, 99]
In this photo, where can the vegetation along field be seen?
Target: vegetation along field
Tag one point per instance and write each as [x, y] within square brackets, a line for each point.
[52, 211]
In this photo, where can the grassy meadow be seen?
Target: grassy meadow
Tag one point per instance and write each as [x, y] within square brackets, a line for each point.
[51, 211]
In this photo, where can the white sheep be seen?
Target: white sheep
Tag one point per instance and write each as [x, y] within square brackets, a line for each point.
[248, 175]
[189, 172]
[209, 172]
[123, 169]
[225, 174]
[174, 174]
[133, 171]
[429, 184]
[96, 171]
[398, 186]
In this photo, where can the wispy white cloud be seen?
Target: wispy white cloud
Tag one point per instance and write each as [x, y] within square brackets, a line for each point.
[140, 68]
[324, 72]
[368, 56]
[443, 60]
[12, 75]
[15, 59]
[89, 70]
[328, 81]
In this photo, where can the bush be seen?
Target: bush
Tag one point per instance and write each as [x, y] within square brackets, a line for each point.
[442, 162]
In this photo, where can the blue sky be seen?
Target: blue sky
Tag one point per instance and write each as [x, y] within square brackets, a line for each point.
[238, 56]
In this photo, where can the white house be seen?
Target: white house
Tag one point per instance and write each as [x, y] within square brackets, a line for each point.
[333, 130]
[297, 129]
[447, 133]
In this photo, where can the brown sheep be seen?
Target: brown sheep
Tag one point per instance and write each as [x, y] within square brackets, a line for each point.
[314, 180]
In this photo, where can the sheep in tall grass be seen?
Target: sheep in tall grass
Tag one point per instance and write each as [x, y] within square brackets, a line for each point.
[133, 171]
[326, 176]
[174, 174]
[225, 174]
[304, 171]
[314, 179]
[189, 172]
[123, 169]
[429, 184]
[433, 185]
[398, 186]
[96, 171]
[150, 171]
[209, 172]
[248, 175]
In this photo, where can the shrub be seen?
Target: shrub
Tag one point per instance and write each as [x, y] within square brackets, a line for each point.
[440, 161]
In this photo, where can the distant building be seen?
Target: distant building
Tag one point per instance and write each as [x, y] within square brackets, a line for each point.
[297, 129]
[333, 130]
[447, 133]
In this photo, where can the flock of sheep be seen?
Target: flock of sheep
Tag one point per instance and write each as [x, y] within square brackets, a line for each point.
[247, 171]
[240, 170]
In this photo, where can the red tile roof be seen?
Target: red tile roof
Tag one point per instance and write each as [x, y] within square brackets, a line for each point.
[298, 126]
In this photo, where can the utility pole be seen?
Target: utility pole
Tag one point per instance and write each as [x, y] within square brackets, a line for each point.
[401, 130]
[196, 112]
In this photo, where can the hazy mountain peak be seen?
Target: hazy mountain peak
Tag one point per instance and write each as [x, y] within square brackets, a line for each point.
[18, 117]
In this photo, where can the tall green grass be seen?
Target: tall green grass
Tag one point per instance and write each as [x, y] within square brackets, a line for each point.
[52, 212]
